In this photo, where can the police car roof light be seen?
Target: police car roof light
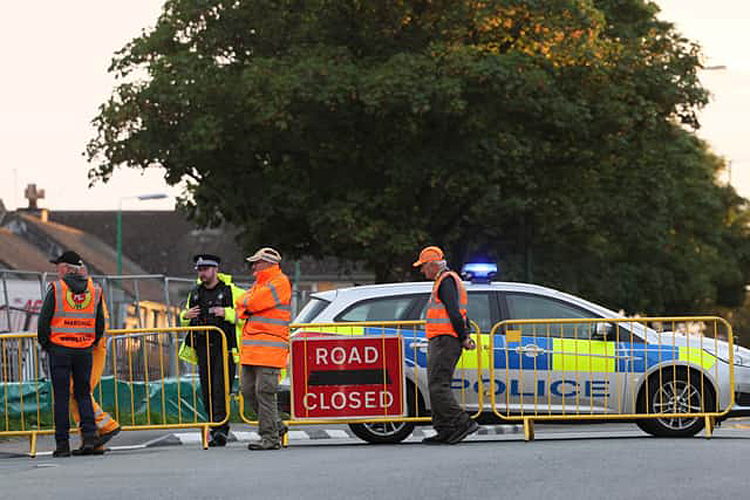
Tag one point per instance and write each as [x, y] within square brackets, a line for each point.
[479, 272]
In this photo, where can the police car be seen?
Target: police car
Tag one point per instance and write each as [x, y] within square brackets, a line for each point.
[628, 381]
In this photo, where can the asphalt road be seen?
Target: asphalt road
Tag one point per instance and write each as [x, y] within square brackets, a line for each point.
[604, 461]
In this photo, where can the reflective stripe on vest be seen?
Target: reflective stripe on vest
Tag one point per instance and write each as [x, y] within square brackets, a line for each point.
[271, 343]
[73, 322]
[437, 321]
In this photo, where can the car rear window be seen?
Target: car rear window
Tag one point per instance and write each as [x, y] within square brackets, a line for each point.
[311, 310]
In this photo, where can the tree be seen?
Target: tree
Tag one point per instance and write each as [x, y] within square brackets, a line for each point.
[362, 130]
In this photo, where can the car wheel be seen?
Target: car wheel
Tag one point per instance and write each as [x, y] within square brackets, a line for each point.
[672, 392]
[383, 432]
[391, 432]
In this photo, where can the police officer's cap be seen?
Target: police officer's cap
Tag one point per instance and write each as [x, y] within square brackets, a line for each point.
[68, 257]
[206, 259]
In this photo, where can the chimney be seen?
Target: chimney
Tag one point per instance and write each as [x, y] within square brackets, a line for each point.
[34, 195]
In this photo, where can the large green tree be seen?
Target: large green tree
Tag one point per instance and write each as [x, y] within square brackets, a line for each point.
[546, 133]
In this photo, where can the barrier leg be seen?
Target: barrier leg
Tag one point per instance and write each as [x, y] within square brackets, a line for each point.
[204, 436]
[32, 445]
[285, 440]
[710, 425]
[528, 429]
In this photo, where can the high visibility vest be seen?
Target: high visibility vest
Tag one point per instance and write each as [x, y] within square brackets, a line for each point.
[73, 323]
[266, 307]
[438, 322]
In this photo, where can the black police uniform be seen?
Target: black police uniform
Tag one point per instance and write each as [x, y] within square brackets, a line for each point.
[208, 346]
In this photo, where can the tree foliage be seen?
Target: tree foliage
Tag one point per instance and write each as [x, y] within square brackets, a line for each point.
[552, 135]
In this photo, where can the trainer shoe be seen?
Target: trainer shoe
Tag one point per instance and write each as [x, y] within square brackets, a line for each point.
[439, 438]
[461, 434]
[105, 438]
[62, 449]
[264, 445]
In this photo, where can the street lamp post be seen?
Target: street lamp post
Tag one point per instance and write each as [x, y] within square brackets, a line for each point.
[142, 197]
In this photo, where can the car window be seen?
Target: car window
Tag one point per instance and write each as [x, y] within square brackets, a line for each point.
[479, 310]
[387, 309]
[311, 310]
[527, 306]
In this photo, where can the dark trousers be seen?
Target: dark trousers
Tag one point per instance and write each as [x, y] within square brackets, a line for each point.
[64, 364]
[442, 356]
[211, 371]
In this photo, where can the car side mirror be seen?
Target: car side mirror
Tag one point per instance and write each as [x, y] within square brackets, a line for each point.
[603, 331]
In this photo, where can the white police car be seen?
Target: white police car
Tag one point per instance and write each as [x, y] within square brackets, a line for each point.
[593, 371]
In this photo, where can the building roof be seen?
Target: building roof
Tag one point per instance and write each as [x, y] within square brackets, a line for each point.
[162, 242]
[17, 253]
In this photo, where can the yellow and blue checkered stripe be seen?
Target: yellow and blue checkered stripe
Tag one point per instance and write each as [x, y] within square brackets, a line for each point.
[557, 354]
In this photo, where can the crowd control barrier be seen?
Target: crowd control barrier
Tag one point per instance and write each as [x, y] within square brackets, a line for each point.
[371, 375]
[150, 386]
[668, 369]
[25, 392]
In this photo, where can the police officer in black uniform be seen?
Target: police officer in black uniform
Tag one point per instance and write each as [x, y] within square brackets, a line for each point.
[211, 302]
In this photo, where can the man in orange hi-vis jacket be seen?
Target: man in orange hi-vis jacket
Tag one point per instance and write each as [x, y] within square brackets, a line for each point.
[265, 343]
[446, 329]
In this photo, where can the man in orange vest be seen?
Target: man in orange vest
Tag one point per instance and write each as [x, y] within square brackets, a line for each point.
[70, 322]
[447, 330]
[265, 343]
[106, 426]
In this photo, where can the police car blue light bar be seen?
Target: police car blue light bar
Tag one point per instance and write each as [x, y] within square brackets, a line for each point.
[479, 271]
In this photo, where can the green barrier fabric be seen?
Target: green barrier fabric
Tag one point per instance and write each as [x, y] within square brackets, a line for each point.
[153, 403]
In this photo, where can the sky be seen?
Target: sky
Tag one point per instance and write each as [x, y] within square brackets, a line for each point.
[56, 54]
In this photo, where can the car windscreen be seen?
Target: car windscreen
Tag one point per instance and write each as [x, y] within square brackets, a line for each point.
[311, 310]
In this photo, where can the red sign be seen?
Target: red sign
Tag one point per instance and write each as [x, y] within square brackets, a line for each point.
[347, 377]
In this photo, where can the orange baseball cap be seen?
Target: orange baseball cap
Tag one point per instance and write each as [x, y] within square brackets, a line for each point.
[429, 254]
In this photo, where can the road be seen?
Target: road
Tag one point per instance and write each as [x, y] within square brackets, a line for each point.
[610, 461]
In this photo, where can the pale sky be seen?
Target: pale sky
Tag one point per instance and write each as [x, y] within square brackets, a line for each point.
[55, 56]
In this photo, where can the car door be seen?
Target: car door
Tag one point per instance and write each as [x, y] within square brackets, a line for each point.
[556, 367]
[483, 309]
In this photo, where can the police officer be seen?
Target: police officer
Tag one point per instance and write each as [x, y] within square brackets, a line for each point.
[70, 322]
[211, 302]
[446, 329]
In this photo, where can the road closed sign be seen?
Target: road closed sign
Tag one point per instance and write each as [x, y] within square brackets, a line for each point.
[347, 377]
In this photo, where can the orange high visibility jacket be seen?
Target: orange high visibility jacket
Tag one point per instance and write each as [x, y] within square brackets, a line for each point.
[438, 322]
[73, 323]
[265, 336]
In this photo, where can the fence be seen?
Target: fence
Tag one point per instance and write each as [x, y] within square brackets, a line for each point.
[143, 301]
[668, 374]
[597, 369]
[135, 395]
[412, 339]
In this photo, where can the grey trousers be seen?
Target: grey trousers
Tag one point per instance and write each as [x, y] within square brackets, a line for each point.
[442, 356]
[259, 387]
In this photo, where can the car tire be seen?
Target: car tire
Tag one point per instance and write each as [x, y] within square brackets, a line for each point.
[391, 432]
[673, 390]
[383, 432]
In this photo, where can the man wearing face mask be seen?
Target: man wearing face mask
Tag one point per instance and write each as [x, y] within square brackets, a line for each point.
[211, 303]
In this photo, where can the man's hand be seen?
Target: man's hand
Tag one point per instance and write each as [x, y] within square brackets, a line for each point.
[469, 344]
[217, 311]
[193, 312]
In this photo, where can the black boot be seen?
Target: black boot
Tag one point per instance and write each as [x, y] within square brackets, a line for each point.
[88, 447]
[62, 449]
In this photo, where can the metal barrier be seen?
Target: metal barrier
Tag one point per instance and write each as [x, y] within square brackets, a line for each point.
[26, 399]
[141, 394]
[414, 348]
[664, 376]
